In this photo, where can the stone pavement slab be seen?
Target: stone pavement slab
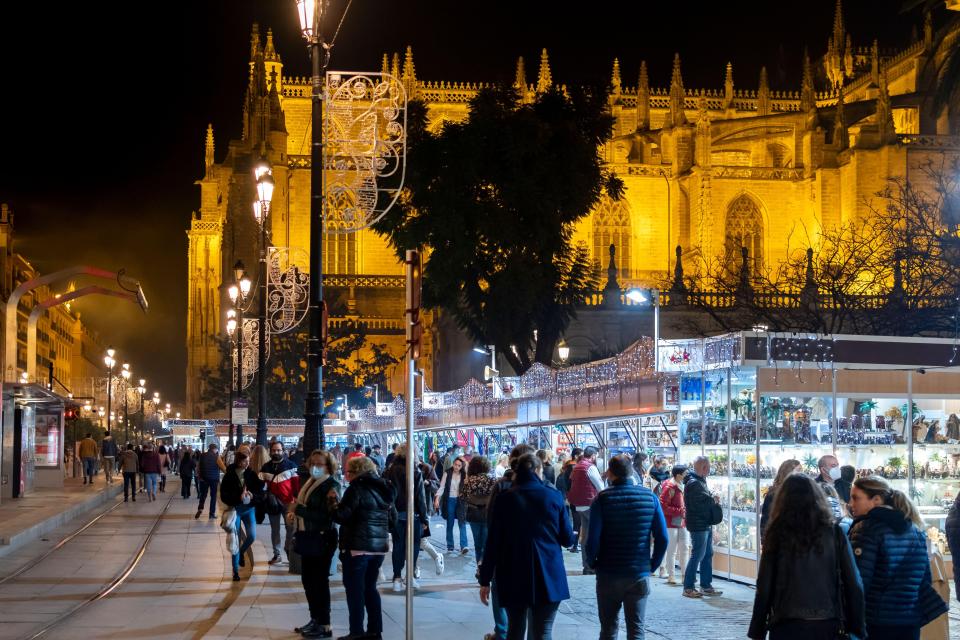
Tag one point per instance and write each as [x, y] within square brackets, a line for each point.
[23, 520]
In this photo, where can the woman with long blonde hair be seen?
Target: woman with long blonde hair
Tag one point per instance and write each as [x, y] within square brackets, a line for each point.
[259, 457]
[891, 552]
[787, 468]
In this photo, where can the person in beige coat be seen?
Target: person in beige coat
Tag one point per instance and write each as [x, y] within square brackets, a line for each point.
[940, 627]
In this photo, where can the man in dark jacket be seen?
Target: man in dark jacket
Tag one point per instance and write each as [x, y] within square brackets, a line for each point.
[623, 519]
[503, 484]
[108, 451]
[700, 519]
[397, 476]
[208, 473]
[280, 475]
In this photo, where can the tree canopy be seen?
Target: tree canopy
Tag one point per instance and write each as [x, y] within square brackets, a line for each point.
[352, 362]
[493, 202]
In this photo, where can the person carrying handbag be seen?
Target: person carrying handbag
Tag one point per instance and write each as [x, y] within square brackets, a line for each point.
[315, 538]
[451, 506]
[703, 511]
[808, 585]
[476, 494]
[242, 490]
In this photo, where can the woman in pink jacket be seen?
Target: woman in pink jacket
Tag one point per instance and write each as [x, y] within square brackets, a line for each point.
[671, 500]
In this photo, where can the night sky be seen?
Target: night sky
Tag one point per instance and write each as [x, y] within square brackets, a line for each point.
[105, 106]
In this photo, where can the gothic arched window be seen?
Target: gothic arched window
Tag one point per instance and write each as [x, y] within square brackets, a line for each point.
[611, 225]
[744, 229]
[340, 249]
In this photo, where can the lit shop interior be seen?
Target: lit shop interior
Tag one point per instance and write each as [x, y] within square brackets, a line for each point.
[751, 401]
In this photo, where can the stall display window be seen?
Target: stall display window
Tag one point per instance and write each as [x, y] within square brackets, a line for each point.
[48, 442]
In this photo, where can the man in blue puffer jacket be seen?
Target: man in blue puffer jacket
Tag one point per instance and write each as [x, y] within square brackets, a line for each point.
[623, 519]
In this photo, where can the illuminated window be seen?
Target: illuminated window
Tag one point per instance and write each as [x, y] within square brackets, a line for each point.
[611, 225]
[744, 229]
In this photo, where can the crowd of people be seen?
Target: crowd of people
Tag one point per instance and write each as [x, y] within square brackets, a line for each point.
[841, 556]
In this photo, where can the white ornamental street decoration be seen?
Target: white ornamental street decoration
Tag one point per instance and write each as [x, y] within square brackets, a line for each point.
[364, 152]
[250, 340]
[288, 289]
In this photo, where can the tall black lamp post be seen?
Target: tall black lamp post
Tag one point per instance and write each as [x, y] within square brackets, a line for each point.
[261, 211]
[126, 373]
[310, 13]
[110, 361]
[239, 293]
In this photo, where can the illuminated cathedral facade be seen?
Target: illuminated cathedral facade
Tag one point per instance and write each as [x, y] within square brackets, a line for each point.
[708, 170]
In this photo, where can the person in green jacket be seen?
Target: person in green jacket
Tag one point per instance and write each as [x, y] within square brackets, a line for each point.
[311, 516]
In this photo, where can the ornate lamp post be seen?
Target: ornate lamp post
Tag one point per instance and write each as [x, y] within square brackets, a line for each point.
[141, 391]
[310, 13]
[239, 293]
[261, 211]
[110, 362]
[125, 372]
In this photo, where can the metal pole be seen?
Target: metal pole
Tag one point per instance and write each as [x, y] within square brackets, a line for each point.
[109, 393]
[910, 416]
[239, 394]
[126, 413]
[313, 436]
[143, 416]
[233, 372]
[655, 294]
[262, 336]
[411, 452]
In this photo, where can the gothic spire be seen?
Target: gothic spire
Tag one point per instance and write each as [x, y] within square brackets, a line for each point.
[616, 85]
[677, 115]
[385, 65]
[885, 126]
[643, 99]
[839, 33]
[409, 73]
[520, 77]
[254, 41]
[875, 63]
[807, 95]
[269, 53]
[395, 66]
[840, 138]
[728, 88]
[208, 153]
[544, 77]
[763, 94]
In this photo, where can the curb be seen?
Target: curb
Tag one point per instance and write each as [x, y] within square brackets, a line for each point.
[31, 534]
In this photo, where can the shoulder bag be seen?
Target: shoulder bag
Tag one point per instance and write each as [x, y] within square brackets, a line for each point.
[842, 633]
[271, 504]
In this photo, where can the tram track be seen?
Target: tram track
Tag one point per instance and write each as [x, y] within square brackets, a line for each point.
[105, 590]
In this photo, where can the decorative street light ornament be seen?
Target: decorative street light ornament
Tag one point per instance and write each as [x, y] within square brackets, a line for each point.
[365, 147]
[288, 289]
[251, 327]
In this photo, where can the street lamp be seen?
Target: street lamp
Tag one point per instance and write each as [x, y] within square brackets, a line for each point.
[126, 373]
[110, 362]
[141, 391]
[239, 293]
[563, 351]
[310, 13]
[376, 393]
[638, 296]
[264, 177]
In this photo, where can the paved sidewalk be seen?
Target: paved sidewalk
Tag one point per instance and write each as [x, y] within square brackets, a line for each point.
[25, 519]
[272, 604]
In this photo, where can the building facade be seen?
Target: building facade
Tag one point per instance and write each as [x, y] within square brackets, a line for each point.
[709, 170]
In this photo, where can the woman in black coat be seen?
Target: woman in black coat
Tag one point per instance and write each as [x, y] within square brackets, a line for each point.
[242, 490]
[807, 570]
[316, 538]
[186, 468]
[366, 515]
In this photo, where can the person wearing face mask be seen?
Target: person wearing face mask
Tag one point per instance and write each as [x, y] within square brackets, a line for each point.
[283, 485]
[316, 538]
[242, 490]
[829, 468]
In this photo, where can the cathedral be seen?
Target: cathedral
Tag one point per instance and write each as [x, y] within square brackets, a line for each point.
[709, 171]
